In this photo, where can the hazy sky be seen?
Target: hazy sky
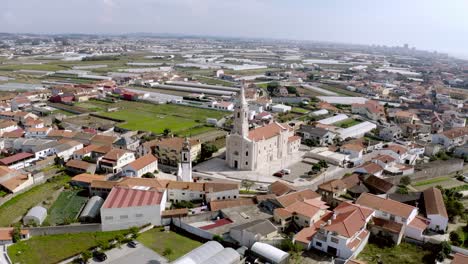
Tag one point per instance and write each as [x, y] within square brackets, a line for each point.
[426, 24]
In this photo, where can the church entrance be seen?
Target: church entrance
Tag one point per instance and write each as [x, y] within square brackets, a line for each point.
[236, 164]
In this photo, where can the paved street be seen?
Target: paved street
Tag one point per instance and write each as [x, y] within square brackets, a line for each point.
[138, 255]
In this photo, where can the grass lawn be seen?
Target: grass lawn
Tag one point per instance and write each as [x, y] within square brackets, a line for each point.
[403, 253]
[463, 233]
[340, 91]
[155, 118]
[213, 81]
[347, 123]
[159, 240]
[300, 110]
[431, 181]
[20, 204]
[54, 248]
[94, 105]
[196, 131]
[66, 207]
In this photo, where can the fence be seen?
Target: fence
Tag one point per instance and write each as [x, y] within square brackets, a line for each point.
[431, 170]
[66, 229]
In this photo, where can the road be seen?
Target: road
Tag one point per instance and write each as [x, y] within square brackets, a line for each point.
[126, 254]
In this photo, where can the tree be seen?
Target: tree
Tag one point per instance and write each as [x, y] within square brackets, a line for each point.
[402, 190]
[86, 255]
[148, 175]
[207, 150]
[166, 132]
[310, 77]
[271, 87]
[87, 159]
[291, 89]
[323, 164]
[247, 184]
[405, 180]
[59, 161]
[316, 167]
[167, 252]
[311, 142]
[455, 238]
[16, 234]
[134, 232]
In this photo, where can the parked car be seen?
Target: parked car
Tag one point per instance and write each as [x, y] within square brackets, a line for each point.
[100, 256]
[278, 174]
[133, 243]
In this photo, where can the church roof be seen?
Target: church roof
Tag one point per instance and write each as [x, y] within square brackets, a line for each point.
[268, 131]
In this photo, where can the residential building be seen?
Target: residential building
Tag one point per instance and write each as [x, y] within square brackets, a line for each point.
[115, 160]
[451, 138]
[256, 231]
[319, 136]
[435, 209]
[141, 166]
[129, 207]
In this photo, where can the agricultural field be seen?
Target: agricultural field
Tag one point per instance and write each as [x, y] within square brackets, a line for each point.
[347, 123]
[159, 240]
[403, 253]
[94, 105]
[213, 81]
[67, 207]
[156, 118]
[444, 181]
[55, 248]
[340, 91]
[14, 209]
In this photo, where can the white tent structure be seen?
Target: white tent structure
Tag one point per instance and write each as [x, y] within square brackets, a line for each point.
[225, 256]
[35, 215]
[270, 253]
[92, 208]
[201, 254]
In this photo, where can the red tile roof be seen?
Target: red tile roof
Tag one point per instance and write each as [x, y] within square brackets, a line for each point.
[266, 132]
[385, 205]
[124, 197]
[142, 162]
[17, 157]
[434, 202]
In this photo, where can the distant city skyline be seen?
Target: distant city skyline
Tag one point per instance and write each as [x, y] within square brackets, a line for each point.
[429, 25]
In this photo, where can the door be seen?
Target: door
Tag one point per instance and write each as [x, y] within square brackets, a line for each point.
[331, 251]
[236, 164]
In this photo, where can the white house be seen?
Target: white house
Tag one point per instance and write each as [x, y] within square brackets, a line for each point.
[342, 234]
[435, 209]
[451, 138]
[7, 126]
[210, 191]
[66, 149]
[140, 166]
[402, 214]
[37, 132]
[249, 233]
[128, 207]
[280, 108]
[115, 160]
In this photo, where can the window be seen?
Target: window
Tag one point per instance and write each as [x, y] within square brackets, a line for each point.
[403, 220]
[318, 244]
[123, 216]
[246, 153]
[139, 215]
[109, 218]
[307, 222]
[235, 196]
[334, 240]
[201, 195]
[392, 217]
[246, 163]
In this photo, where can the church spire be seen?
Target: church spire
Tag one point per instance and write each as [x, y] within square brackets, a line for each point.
[241, 112]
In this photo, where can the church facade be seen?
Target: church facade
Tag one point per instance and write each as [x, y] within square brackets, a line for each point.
[252, 149]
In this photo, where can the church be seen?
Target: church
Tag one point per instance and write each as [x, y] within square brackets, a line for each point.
[250, 150]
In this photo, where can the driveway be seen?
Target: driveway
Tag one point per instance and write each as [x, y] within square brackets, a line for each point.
[126, 254]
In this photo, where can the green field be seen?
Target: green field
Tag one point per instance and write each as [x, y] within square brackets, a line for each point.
[66, 208]
[15, 208]
[403, 253]
[155, 118]
[431, 181]
[213, 81]
[94, 105]
[299, 110]
[340, 91]
[54, 248]
[347, 123]
[159, 240]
